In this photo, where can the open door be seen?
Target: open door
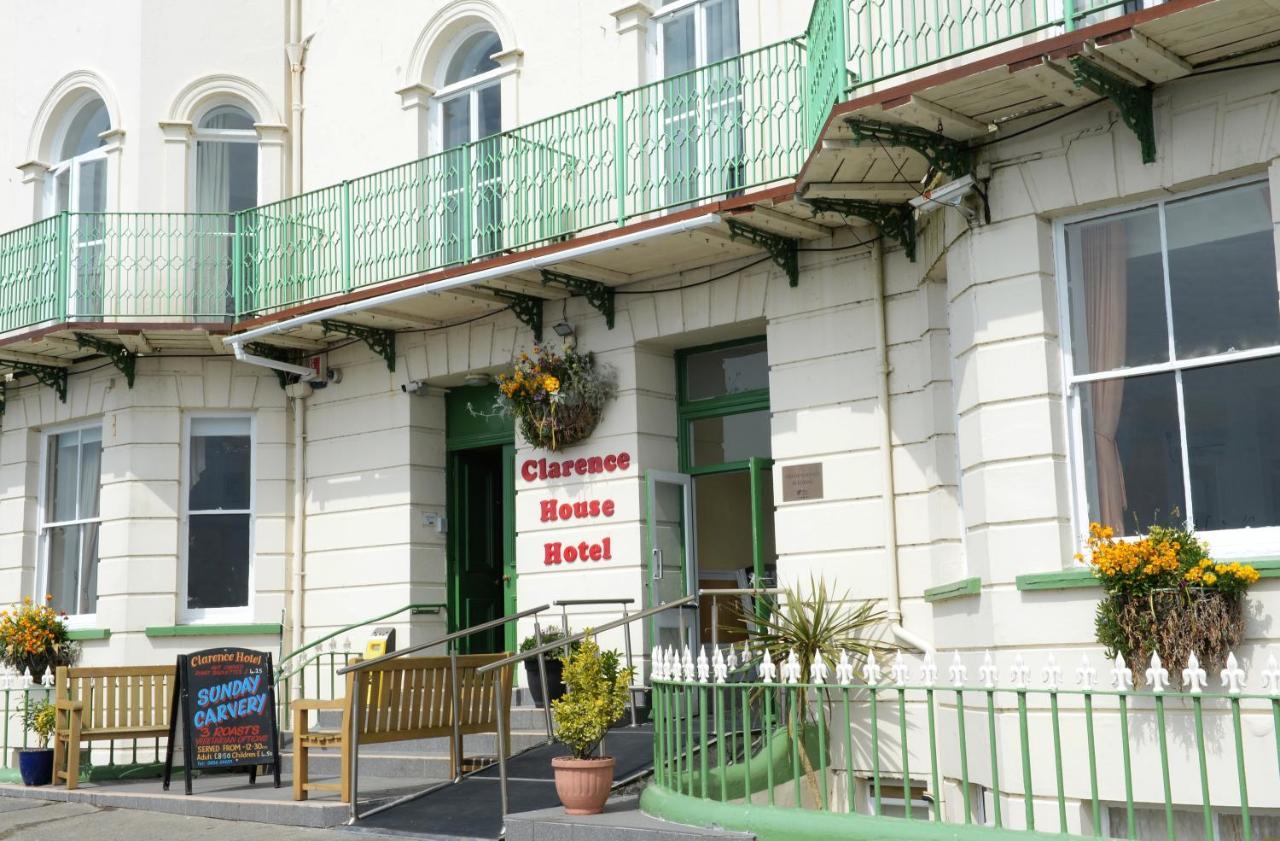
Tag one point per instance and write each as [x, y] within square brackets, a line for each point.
[672, 557]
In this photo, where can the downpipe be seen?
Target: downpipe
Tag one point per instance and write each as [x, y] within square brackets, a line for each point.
[299, 520]
[893, 597]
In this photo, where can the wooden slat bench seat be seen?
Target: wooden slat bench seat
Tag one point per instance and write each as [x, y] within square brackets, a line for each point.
[103, 703]
[403, 699]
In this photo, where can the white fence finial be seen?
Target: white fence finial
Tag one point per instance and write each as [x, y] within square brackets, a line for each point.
[1194, 677]
[844, 669]
[899, 671]
[1271, 677]
[731, 662]
[987, 671]
[704, 665]
[958, 671]
[871, 673]
[819, 671]
[1121, 675]
[1157, 675]
[929, 671]
[718, 667]
[1232, 676]
[791, 668]
[1086, 674]
[656, 664]
[1052, 673]
[1020, 674]
[687, 670]
[767, 670]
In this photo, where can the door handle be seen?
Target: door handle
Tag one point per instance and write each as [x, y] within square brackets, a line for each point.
[657, 564]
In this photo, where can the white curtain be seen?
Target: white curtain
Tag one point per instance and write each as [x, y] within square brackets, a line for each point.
[213, 195]
[1105, 261]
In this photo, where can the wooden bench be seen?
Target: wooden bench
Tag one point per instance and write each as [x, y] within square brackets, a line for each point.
[103, 703]
[403, 699]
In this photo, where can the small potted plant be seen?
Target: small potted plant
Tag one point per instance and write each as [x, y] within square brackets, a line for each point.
[594, 700]
[36, 764]
[34, 638]
[552, 662]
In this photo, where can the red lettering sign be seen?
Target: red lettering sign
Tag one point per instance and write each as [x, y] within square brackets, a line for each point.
[560, 553]
[534, 470]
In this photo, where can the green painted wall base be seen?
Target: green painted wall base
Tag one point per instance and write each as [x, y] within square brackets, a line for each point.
[772, 823]
[92, 774]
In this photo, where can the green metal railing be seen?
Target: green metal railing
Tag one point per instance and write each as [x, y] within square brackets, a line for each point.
[312, 670]
[710, 132]
[936, 756]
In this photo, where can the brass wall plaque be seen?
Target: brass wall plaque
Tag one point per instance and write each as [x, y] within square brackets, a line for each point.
[802, 481]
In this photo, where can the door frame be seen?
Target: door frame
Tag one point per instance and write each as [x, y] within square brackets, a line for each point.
[485, 432]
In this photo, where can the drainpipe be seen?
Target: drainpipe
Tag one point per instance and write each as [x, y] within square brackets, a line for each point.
[888, 494]
[299, 392]
[296, 52]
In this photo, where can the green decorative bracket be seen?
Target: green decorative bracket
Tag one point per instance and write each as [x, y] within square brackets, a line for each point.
[897, 221]
[942, 153]
[526, 308]
[120, 356]
[597, 294]
[293, 357]
[381, 342]
[783, 250]
[55, 378]
[1134, 102]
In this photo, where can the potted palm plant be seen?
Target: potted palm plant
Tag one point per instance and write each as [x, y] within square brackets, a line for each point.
[594, 699]
[36, 764]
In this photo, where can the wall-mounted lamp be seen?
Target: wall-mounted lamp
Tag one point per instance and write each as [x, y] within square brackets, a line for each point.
[478, 379]
[563, 329]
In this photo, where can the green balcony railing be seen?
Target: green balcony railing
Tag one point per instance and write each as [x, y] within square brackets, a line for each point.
[710, 132]
[860, 753]
[882, 39]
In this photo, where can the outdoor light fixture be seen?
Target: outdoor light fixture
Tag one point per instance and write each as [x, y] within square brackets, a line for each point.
[563, 329]
[951, 194]
[478, 379]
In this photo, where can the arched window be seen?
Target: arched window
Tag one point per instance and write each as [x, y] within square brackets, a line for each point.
[78, 181]
[226, 161]
[471, 111]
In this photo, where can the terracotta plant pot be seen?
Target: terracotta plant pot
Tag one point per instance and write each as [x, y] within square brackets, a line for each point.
[583, 784]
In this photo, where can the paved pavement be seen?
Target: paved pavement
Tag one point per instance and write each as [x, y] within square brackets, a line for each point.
[43, 820]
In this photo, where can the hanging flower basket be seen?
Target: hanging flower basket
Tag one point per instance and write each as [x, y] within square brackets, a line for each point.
[556, 398]
[34, 638]
[1166, 595]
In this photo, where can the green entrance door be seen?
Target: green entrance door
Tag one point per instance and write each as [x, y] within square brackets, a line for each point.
[481, 524]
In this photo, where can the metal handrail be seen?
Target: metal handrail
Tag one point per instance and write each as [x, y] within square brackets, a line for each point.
[456, 737]
[626, 637]
[432, 608]
[541, 650]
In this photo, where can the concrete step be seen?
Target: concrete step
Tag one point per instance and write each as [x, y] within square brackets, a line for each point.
[382, 766]
[622, 821]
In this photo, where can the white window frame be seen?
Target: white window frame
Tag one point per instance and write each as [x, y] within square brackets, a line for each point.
[74, 620]
[1246, 543]
[222, 135]
[215, 615]
[699, 11]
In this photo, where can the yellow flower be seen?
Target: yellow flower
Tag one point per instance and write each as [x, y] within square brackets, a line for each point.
[1210, 578]
[551, 384]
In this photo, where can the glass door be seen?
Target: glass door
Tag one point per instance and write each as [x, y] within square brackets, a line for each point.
[672, 556]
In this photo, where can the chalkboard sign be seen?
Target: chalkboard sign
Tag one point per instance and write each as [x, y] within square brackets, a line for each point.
[226, 703]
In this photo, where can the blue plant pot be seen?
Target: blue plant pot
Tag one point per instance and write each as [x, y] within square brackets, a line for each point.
[36, 766]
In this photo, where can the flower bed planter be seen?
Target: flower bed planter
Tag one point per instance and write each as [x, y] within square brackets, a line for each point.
[36, 766]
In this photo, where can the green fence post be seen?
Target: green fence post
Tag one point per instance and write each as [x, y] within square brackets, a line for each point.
[346, 239]
[1069, 15]
[64, 263]
[620, 157]
[237, 264]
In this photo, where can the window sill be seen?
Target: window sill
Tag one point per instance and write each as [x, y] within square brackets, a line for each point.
[1080, 578]
[82, 634]
[1062, 579]
[954, 590]
[256, 630]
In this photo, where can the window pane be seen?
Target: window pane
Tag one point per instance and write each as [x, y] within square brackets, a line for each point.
[1117, 292]
[730, 370]
[490, 107]
[677, 44]
[90, 472]
[220, 459]
[1133, 452]
[730, 438]
[217, 560]
[722, 30]
[92, 194]
[457, 121]
[88, 589]
[1233, 425]
[1222, 272]
[85, 128]
[64, 452]
[64, 567]
[227, 118]
[473, 57]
